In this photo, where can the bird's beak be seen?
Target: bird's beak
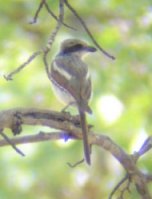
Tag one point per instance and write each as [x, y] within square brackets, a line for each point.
[90, 49]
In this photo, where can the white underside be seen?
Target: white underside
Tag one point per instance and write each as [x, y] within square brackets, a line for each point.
[62, 94]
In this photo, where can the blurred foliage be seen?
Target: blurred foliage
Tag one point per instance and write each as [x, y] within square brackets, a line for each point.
[121, 99]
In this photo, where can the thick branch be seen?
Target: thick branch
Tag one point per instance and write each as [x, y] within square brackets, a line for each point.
[69, 126]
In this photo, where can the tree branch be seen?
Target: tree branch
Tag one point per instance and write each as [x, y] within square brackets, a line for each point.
[87, 30]
[18, 69]
[51, 39]
[69, 127]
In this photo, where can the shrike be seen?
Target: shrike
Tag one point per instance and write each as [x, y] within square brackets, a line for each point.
[71, 81]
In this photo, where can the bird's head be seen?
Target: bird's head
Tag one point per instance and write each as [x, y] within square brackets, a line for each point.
[76, 47]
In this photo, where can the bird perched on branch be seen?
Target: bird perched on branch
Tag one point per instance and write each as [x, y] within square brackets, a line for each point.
[71, 81]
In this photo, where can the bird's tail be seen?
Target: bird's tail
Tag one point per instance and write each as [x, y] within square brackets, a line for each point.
[84, 127]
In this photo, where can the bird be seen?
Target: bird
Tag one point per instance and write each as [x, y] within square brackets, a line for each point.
[71, 82]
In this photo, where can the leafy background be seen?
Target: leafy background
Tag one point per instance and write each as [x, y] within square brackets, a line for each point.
[121, 99]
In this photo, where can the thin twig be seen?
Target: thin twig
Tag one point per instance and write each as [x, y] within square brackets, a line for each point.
[48, 47]
[75, 164]
[30, 59]
[87, 30]
[126, 188]
[39, 137]
[55, 17]
[43, 2]
[11, 143]
[147, 145]
[117, 186]
[53, 35]
[37, 12]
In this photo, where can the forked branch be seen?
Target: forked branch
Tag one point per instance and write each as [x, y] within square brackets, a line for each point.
[69, 127]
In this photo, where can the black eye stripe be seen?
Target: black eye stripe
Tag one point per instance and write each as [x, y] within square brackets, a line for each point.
[73, 48]
[79, 46]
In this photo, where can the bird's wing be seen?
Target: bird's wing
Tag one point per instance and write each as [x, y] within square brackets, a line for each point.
[72, 75]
